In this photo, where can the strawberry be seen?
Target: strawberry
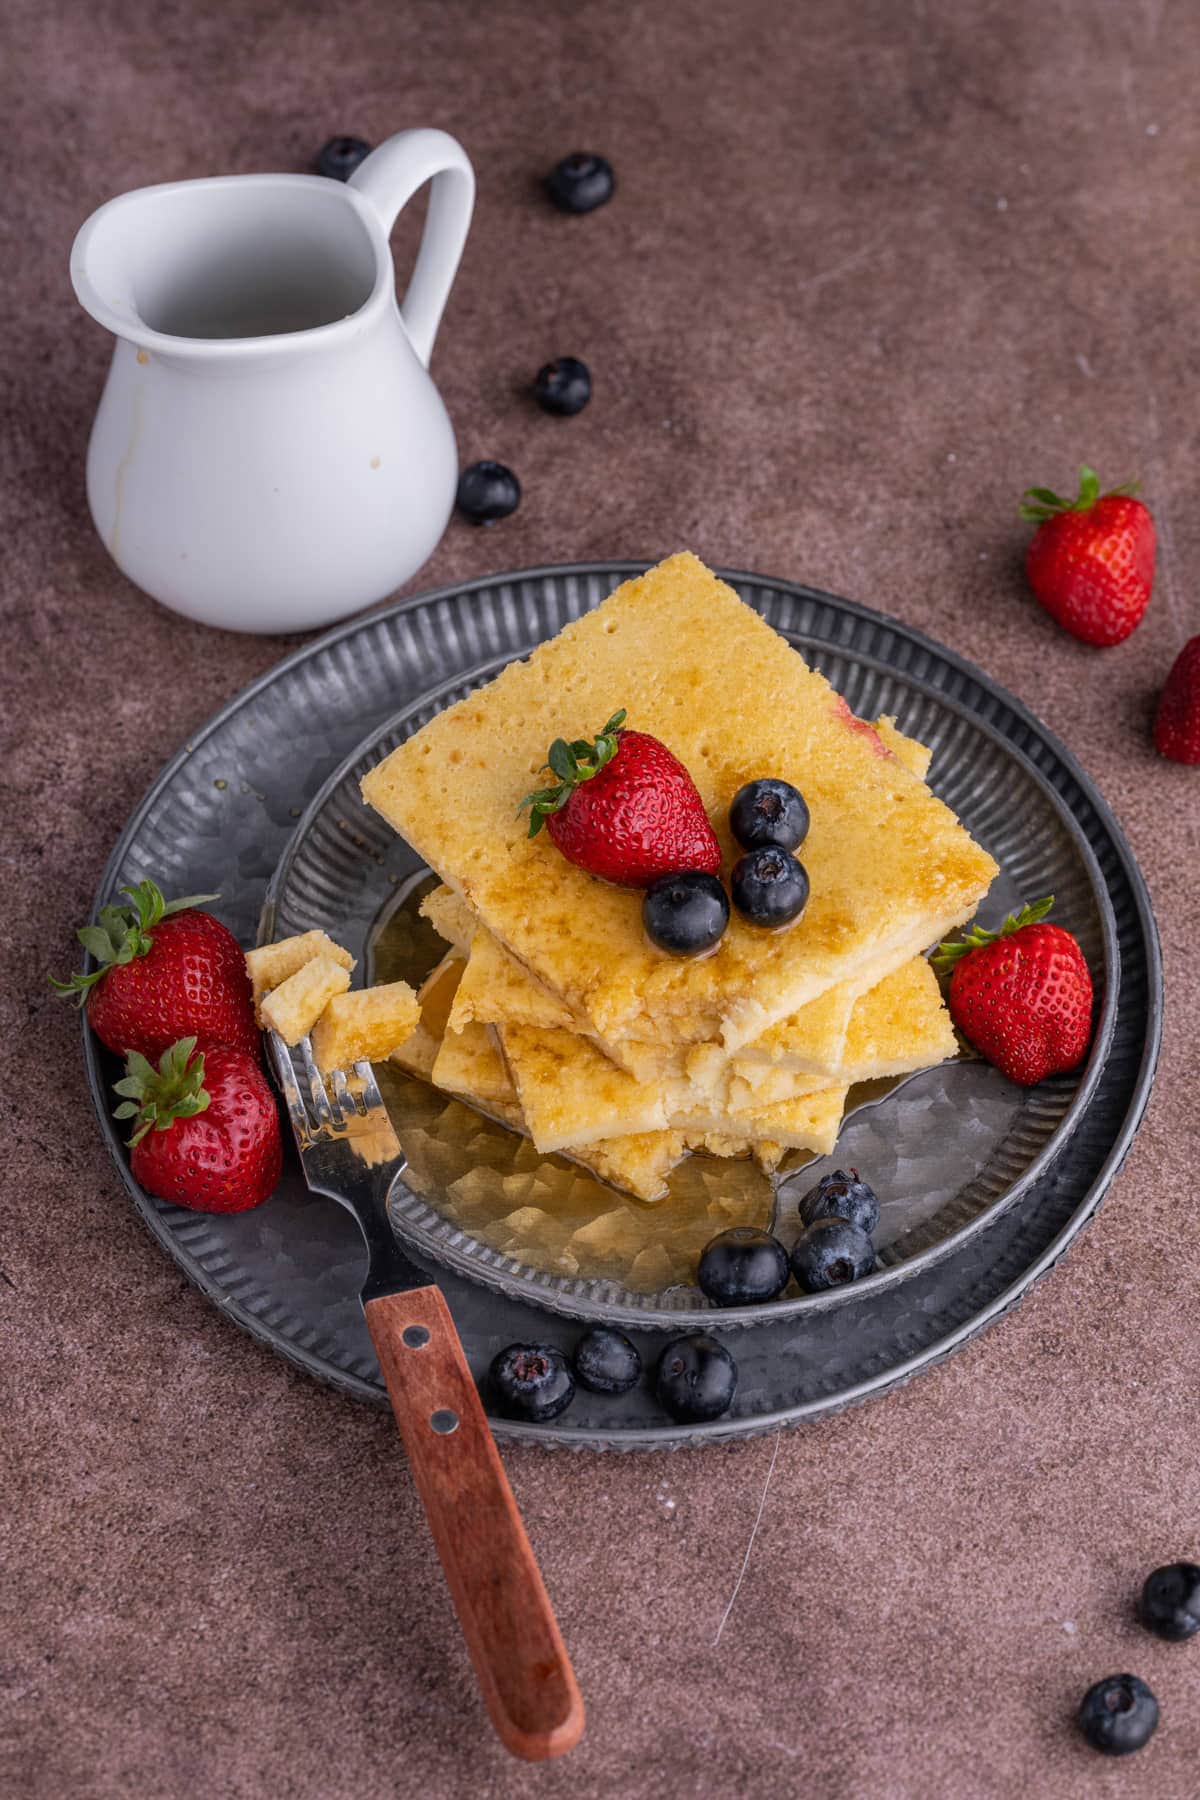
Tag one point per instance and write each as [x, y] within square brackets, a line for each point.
[1091, 560]
[624, 808]
[207, 1133]
[165, 971]
[1022, 995]
[1177, 721]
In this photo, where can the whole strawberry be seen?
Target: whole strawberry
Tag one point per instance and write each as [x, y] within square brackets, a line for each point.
[1177, 721]
[165, 971]
[207, 1133]
[1021, 995]
[1091, 560]
[624, 808]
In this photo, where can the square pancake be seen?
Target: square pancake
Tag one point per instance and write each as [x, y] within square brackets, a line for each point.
[495, 989]
[572, 1094]
[900, 1026]
[916, 757]
[706, 1073]
[640, 1164]
[434, 997]
[471, 1067]
[450, 917]
[474, 1072]
[739, 1095]
[807, 1122]
[468, 1063]
[814, 1037]
[498, 989]
[891, 869]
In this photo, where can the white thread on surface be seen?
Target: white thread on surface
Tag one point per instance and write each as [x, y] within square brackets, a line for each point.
[753, 1534]
[843, 267]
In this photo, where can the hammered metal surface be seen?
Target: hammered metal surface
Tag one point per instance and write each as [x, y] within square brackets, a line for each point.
[220, 817]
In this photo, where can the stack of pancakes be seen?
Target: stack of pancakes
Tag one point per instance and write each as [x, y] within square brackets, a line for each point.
[554, 1013]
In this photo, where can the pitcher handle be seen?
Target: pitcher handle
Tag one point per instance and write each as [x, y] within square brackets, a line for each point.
[389, 178]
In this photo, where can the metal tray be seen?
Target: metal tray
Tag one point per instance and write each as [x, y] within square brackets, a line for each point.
[1015, 1176]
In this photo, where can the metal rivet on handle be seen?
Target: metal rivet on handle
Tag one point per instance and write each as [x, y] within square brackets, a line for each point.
[444, 1421]
[415, 1336]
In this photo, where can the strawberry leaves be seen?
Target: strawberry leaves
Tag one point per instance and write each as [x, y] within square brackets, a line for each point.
[122, 933]
[572, 763]
[157, 1097]
[1043, 503]
[948, 954]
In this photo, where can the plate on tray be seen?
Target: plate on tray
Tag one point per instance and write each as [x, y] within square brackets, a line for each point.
[983, 1184]
[944, 1149]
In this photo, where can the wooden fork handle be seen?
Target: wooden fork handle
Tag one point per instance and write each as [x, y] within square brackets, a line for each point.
[520, 1659]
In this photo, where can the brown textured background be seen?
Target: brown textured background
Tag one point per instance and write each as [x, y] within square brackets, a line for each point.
[872, 268]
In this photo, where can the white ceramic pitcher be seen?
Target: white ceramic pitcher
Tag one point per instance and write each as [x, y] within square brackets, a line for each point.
[270, 453]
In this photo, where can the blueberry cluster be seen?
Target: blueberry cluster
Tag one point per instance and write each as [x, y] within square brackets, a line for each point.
[839, 1216]
[695, 1378]
[748, 1267]
[687, 913]
[1120, 1714]
[488, 491]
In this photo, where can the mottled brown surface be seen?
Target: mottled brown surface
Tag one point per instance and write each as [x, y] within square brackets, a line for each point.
[871, 269]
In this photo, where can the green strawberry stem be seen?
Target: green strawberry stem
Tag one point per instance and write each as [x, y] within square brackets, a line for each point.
[947, 955]
[572, 763]
[1043, 503]
[123, 933]
[157, 1097]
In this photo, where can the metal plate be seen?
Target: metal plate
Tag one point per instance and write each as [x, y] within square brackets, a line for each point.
[220, 817]
[946, 1149]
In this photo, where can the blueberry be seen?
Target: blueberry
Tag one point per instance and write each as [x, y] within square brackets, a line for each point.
[563, 387]
[742, 1266]
[829, 1253]
[697, 1378]
[606, 1361]
[341, 156]
[841, 1196]
[581, 182]
[1171, 1601]
[1118, 1715]
[532, 1381]
[487, 491]
[769, 812]
[769, 886]
[685, 913]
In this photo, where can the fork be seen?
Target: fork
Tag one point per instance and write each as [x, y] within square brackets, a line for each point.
[350, 1152]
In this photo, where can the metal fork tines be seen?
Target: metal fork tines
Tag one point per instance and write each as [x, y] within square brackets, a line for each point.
[312, 1110]
[351, 1109]
[348, 1148]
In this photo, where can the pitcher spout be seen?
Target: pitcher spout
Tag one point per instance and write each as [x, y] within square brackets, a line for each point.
[261, 262]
